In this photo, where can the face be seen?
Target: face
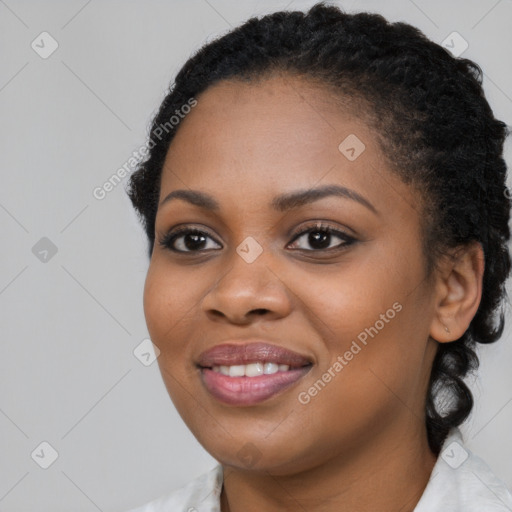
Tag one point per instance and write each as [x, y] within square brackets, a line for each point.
[337, 278]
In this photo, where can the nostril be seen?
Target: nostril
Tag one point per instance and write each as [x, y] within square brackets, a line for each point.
[260, 311]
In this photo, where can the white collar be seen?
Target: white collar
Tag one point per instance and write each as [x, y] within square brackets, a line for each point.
[460, 482]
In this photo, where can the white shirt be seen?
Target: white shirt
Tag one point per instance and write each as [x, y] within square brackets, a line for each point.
[460, 482]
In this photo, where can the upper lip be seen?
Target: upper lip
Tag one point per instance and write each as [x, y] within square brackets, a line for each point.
[236, 353]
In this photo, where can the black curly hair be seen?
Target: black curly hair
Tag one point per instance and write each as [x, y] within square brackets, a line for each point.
[433, 124]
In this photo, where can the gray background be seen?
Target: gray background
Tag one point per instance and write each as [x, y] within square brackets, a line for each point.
[70, 324]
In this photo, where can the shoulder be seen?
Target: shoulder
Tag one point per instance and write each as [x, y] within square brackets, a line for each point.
[463, 482]
[200, 495]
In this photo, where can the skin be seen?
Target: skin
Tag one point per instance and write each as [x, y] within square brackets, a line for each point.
[360, 443]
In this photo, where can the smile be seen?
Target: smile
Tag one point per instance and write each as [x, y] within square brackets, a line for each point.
[250, 373]
[243, 390]
[251, 370]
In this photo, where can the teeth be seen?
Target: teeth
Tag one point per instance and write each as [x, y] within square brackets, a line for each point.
[251, 370]
[237, 370]
[270, 368]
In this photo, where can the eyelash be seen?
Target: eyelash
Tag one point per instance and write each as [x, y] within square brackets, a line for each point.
[168, 239]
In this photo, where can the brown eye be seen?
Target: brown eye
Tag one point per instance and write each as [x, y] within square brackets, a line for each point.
[321, 237]
[186, 240]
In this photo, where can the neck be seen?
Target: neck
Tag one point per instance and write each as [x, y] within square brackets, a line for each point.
[388, 472]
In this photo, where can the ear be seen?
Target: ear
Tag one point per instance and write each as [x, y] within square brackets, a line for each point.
[458, 292]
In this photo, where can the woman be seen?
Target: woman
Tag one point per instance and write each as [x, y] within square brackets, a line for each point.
[327, 215]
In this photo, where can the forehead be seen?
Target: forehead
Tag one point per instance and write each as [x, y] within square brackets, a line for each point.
[270, 103]
[251, 140]
[269, 127]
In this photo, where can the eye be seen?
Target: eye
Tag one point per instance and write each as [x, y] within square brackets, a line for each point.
[321, 236]
[189, 240]
[192, 240]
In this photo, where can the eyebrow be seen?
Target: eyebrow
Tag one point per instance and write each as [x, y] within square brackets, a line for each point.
[280, 203]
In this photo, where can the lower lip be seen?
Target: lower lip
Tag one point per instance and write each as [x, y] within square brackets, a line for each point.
[249, 390]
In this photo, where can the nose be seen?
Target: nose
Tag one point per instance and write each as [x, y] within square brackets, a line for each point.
[247, 291]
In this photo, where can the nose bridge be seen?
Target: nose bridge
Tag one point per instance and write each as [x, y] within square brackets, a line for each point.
[248, 269]
[248, 285]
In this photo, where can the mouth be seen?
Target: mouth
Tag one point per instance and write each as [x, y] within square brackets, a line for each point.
[251, 373]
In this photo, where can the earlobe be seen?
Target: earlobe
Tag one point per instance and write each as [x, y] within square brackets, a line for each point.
[458, 292]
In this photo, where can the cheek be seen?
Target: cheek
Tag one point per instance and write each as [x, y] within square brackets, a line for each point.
[168, 298]
[170, 308]
[170, 305]
[379, 363]
[342, 302]
[372, 316]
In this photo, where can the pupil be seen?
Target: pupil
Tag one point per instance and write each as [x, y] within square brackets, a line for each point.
[194, 244]
[319, 238]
